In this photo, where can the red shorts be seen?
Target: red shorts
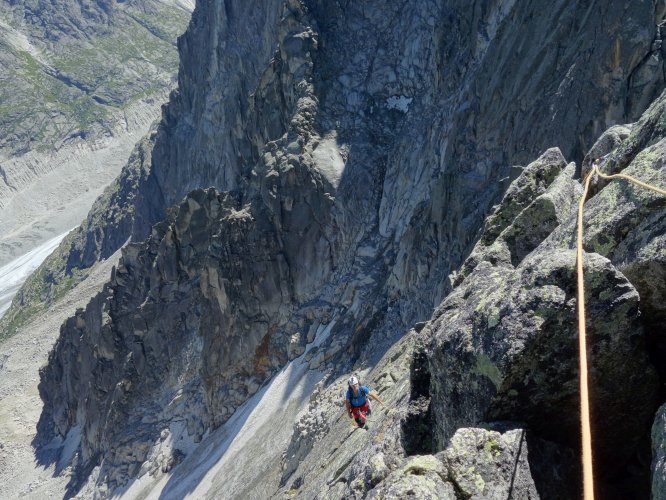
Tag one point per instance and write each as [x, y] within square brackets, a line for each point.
[360, 413]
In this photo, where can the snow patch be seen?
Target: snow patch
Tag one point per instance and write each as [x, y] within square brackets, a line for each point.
[400, 102]
[187, 5]
[329, 161]
[323, 332]
[180, 438]
[69, 447]
[19, 41]
[17, 271]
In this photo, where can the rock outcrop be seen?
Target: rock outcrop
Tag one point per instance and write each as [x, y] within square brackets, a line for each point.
[506, 331]
[504, 347]
[500, 352]
[353, 165]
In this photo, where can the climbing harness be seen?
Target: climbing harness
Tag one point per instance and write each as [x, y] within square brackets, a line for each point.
[588, 476]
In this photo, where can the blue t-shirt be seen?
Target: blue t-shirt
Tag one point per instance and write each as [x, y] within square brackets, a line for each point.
[357, 399]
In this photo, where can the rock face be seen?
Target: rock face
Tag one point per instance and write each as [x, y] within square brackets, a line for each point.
[506, 333]
[504, 347]
[210, 367]
[500, 351]
[385, 96]
[354, 156]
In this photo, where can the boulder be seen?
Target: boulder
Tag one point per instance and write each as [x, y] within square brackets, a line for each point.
[489, 464]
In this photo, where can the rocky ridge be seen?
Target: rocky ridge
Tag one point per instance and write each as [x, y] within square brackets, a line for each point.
[351, 180]
[500, 352]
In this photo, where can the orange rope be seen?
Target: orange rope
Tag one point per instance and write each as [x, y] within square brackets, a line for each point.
[595, 169]
[588, 473]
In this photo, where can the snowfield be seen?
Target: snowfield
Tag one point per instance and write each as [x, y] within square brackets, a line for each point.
[17, 271]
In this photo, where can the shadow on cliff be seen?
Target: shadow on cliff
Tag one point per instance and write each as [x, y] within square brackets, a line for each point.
[50, 449]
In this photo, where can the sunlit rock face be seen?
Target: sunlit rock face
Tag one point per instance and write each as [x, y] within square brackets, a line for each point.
[354, 152]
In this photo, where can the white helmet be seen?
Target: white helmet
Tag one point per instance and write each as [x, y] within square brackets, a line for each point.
[352, 381]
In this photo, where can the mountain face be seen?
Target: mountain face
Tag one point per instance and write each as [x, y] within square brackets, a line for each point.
[83, 62]
[81, 83]
[326, 170]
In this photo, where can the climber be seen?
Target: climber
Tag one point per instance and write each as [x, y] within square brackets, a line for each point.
[357, 403]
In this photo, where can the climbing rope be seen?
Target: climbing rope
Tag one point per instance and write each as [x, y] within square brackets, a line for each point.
[596, 170]
[588, 475]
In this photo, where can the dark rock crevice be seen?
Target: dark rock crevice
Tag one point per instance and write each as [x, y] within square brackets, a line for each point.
[416, 426]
